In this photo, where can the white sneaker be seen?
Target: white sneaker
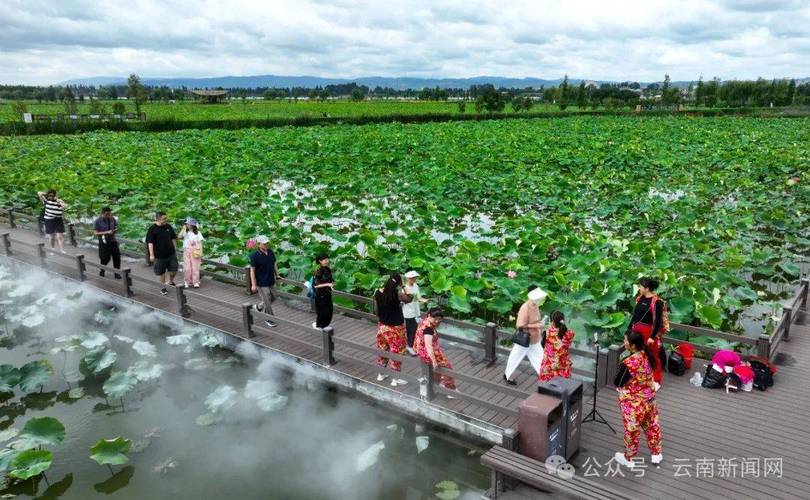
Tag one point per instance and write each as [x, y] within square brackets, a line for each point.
[410, 351]
[398, 381]
[657, 459]
[315, 325]
[381, 377]
[621, 460]
[656, 386]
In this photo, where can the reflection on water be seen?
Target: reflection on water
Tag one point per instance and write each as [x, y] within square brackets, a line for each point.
[203, 421]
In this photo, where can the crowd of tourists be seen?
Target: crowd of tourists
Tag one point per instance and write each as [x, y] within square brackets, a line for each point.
[401, 326]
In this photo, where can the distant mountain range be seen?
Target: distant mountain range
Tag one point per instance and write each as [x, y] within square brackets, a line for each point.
[397, 83]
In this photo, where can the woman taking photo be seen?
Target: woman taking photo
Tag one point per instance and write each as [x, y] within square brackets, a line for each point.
[647, 319]
[323, 284]
[388, 302]
[426, 345]
[52, 214]
[634, 382]
[556, 361]
[192, 252]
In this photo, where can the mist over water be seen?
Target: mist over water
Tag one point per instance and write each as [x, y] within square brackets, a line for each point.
[204, 422]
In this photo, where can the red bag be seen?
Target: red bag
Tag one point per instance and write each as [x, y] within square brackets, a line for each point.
[687, 352]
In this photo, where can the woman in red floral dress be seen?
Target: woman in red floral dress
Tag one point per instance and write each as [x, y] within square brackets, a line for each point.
[556, 361]
[426, 345]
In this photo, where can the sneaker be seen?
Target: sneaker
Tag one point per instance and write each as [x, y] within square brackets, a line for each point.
[381, 377]
[398, 381]
[117, 276]
[410, 351]
[656, 386]
[186, 285]
[269, 324]
[510, 382]
[173, 283]
[196, 285]
[101, 272]
[622, 460]
[454, 395]
[315, 325]
[259, 307]
[163, 291]
[657, 459]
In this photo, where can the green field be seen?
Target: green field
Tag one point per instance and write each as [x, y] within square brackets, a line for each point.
[265, 109]
[582, 206]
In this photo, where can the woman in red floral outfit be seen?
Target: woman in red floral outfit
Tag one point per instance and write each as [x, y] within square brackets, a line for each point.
[635, 385]
[426, 345]
[556, 361]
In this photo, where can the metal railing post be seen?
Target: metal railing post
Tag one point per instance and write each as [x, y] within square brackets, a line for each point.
[7, 243]
[764, 346]
[426, 390]
[126, 279]
[42, 254]
[787, 318]
[490, 342]
[11, 221]
[182, 306]
[247, 320]
[81, 267]
[328, 346]
[247, 280]
[72, 235]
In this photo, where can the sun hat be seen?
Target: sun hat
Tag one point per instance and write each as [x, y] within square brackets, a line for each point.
[411, 274]
[538, 295]
[262, 240]
[191, 221]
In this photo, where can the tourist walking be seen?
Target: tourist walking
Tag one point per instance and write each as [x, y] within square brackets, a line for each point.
[161, 240]
[529, 319]
[105, 227]
[635, 386]
[52, 215]
[648, 317]
[426, 344]
[388, 302]
[263, 275]
[323, 284]
[556, 359]
[192, 252]
[411, 311]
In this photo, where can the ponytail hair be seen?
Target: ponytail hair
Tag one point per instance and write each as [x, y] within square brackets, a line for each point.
[558, 319]
[637, 340]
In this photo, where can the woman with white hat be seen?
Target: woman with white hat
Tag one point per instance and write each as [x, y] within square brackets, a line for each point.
[192, 252]
[411, 311]
[529, 319]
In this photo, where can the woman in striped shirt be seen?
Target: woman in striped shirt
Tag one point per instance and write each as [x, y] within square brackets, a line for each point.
[52, 215]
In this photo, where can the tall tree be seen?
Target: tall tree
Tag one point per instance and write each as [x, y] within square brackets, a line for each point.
[563, 93]
[700, 92]
[136, 91]
[582, 96]
[666, 91]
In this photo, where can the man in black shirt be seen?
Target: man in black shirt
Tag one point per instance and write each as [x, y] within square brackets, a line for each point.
[105, 228]
[161, 242]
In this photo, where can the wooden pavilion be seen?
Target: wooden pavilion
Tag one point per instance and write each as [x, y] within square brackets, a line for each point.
[210, 96]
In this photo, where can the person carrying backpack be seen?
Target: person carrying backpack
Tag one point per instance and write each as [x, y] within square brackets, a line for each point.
[651, 320]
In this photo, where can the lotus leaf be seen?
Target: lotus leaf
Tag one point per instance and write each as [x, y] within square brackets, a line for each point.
[43, 431]
[9, 377]
[145, 349]
[144, 372]
[92, 340]
[30, 463]
[111, 451]
[222, 399]
[119, 384]
[97, 361]
[35, 374]
[208, 419]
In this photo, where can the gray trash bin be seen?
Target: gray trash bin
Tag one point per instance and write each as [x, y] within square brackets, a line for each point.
[569, 392]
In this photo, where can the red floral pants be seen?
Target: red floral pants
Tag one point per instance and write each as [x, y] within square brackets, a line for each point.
[391, 339]
[638, 415]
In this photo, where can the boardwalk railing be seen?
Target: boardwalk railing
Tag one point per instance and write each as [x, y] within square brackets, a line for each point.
[334, 350]
[764, 346]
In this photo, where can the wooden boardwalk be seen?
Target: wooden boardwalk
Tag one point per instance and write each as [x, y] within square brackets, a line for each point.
[743, 445]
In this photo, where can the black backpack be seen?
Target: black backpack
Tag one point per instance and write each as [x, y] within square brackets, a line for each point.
[676, 364]
[714, 379]
[763, 376]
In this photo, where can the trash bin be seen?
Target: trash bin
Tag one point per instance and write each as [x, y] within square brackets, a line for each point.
[540, 427]
[569, 392]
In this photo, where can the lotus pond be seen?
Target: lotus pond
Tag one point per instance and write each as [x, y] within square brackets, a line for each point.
[582, 206]
[110, 399]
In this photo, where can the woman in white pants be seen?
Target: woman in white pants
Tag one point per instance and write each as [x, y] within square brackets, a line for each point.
[528, 318]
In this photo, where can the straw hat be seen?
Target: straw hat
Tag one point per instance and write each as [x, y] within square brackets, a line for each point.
[538, 295]
[411, 274]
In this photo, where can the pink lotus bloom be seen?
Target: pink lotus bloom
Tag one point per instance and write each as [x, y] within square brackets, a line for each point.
[251, 244]
[511, 274]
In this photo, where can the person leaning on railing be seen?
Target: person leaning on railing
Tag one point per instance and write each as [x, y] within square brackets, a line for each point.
[426, 344]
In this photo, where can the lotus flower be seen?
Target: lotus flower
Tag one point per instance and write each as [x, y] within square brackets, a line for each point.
[511, 274]
[251, 244]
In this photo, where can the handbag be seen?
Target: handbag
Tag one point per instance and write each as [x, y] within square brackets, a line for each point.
[521, 337]
[196, 253]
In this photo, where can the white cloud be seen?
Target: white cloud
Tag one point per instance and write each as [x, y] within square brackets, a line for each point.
[50, 41]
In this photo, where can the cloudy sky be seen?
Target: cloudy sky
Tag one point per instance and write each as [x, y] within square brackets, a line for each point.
[45, 42]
